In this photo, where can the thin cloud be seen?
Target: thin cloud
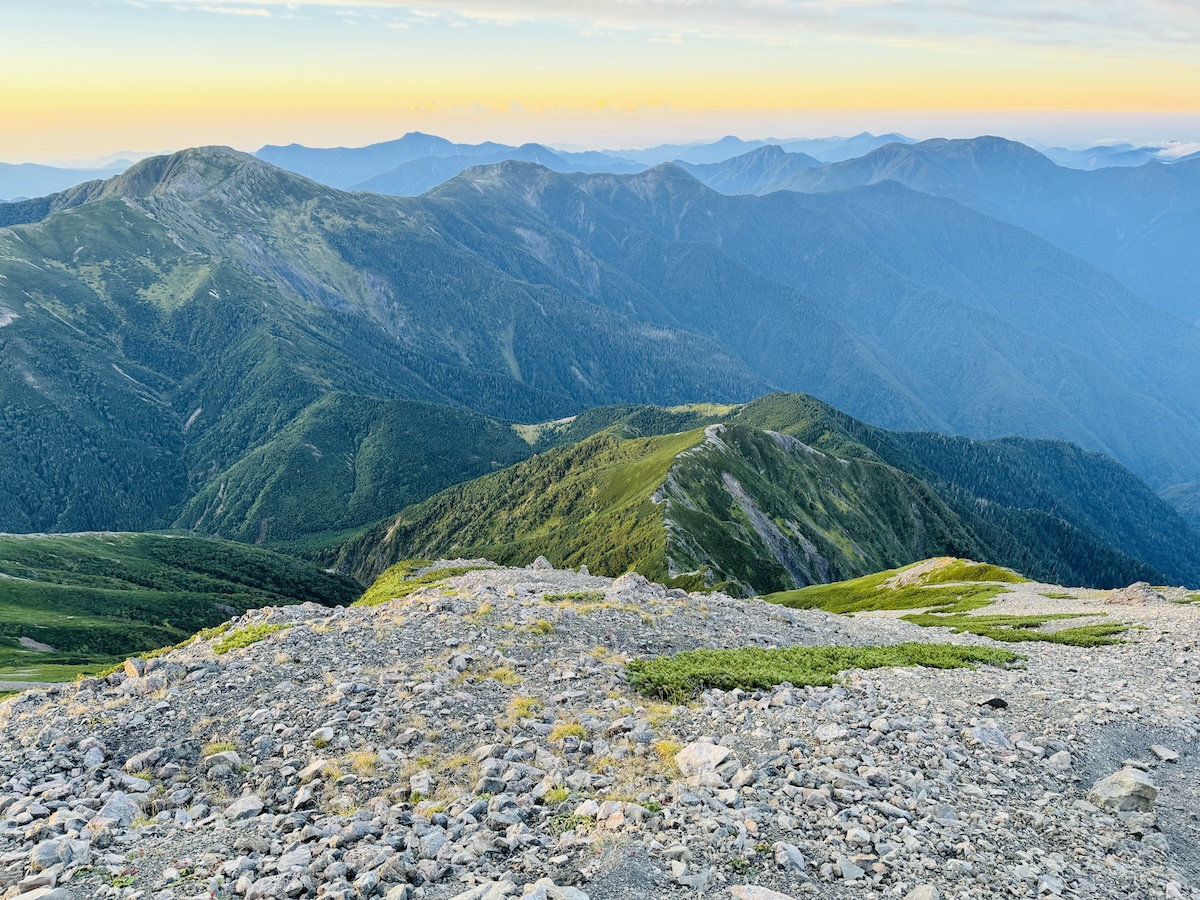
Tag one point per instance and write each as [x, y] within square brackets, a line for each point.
[235, 10]
[1105, 26]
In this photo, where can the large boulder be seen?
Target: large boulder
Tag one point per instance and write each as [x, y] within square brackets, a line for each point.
[1126, 790]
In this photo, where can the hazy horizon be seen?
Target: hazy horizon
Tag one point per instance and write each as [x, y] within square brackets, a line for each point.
[105, 159]
[168, 74]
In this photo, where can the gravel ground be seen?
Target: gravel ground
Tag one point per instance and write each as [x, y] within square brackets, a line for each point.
[477, 739]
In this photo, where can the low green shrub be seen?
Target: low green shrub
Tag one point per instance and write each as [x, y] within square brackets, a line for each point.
[684, 675]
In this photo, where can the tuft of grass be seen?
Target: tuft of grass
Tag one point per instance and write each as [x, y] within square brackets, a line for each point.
[559, 824]
[541, 626]
[1058, 595]
[521, 708]
[403, 579]
[1015, 629]
[214, 747]
[207, 634]
[567, 730]
[684, 675]
[556, 795]
[363, 762]
[575, 597]
[666, 750]
[501, 674]
[244, 637]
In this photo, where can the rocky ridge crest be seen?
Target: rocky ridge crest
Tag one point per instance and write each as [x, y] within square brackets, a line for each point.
[480, 739]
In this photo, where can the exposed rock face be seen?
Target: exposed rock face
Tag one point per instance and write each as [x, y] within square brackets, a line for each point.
[480, 740]
[1137, 594]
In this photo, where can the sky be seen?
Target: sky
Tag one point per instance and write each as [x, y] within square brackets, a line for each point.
[87, 78]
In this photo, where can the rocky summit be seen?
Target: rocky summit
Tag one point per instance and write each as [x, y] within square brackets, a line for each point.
[483, 737]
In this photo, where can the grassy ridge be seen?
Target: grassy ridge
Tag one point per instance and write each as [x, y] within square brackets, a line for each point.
[96, 597]
[590, 503]
[767, 513]
[874, 592]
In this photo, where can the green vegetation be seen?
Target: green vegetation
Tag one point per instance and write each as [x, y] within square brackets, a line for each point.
[575, 597]
[1058, 595]
[314, 360]
[754, 512]
[1185, 498]
[872, 592]
[1048, 509]
[244, 637]
[567, 730]
[682, 676]
[948, 605]
[585, 504]
[344, 463]
[964, 570]
[404, 578]
[1014, 629]
[97, 598]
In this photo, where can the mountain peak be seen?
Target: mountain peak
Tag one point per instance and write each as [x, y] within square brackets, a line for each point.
[188, 174]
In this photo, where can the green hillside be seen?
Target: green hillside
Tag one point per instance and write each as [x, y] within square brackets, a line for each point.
[160, 326]
[345, 462]
[587, 504]
[789, 492]
[1185, 498]
[750, 510]
[1021, 496]
[97, 597]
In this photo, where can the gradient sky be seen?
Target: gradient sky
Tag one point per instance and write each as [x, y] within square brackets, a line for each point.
[83, 78]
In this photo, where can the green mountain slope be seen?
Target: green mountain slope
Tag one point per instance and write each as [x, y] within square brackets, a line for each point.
[1185, 499]
[162, 331]
[787, 491]
[347, 461]
[94, 597]
[586, 504]
[1021, 496]
[172, 319]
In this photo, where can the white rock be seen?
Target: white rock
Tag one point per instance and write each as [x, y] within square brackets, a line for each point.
[1166, 754]
[700, 759]
[754, 892]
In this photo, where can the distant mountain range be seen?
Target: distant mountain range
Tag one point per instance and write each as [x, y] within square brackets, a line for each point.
[1122, 154]
[211, 342]
[1142, 224]
[25, 180]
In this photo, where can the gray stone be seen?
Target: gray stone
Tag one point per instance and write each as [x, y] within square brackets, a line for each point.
[228, 758]
[924, 892]
[121, 810]
[47, 893]
[1126, 790]
[1165, 754]
[245, 808]
[848, 869]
